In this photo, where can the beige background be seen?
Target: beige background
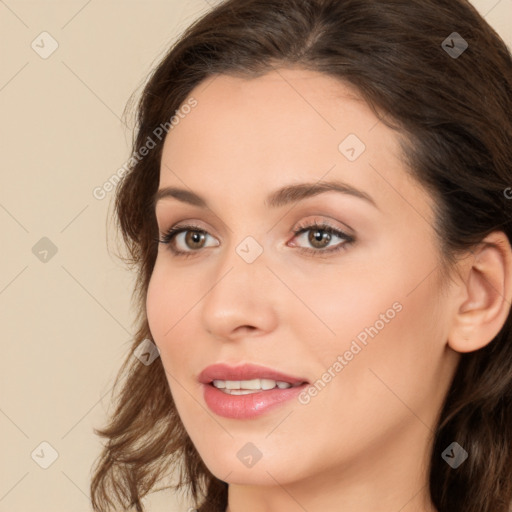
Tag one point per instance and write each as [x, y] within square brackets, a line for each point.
[66, 322]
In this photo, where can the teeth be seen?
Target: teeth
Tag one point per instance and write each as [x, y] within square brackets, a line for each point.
[250, 385]
[239, 391]
[266, 383]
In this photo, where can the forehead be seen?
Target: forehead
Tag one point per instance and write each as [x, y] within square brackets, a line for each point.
[283, 103]
[246, 137]
[287, 115]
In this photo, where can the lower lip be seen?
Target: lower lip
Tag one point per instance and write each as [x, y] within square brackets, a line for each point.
[248, 406]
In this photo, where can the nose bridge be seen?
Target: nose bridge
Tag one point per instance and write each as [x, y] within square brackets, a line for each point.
[239, 295]
[244, 260]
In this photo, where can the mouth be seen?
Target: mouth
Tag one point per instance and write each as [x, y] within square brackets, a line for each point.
[247, 377]
[247, 391]
[247, 387]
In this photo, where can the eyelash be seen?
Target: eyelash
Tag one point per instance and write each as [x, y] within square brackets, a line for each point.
[169, 236]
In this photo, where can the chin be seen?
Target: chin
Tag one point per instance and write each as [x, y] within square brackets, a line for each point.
[265, 473]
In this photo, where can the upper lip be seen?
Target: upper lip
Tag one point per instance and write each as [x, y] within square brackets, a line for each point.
[246, 371]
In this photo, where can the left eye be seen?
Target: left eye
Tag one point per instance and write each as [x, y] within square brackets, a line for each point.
[320, 235]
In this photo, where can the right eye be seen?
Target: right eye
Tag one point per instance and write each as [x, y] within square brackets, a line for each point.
[194, 239]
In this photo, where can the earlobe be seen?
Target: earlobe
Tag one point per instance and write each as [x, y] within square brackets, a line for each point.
[486, 295]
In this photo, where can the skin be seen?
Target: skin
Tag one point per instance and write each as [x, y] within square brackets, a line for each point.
[363, 443]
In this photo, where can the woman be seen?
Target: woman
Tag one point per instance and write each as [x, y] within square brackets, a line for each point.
[318, 208]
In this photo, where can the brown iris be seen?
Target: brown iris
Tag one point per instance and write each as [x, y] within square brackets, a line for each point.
[194, 237]
[317, 236]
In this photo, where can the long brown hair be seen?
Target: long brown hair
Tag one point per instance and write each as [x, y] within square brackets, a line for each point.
[453, 107]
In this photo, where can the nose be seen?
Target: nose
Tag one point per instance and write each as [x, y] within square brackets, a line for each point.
[240, 301]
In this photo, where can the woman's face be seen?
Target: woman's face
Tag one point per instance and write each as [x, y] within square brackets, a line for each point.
[357, 315]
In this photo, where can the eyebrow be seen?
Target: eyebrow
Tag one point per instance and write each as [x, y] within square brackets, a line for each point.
[283, 196]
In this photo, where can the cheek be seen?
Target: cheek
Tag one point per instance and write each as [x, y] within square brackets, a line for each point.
[156, 304]
[162, 306]
[343, 301]
[350, 293]
[403, 325]
[169, 308]
[387, 310]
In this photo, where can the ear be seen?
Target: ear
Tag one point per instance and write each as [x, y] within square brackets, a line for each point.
[485, 297]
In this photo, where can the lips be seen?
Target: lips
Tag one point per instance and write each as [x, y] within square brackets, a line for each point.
[245, 372]
[257, 402]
